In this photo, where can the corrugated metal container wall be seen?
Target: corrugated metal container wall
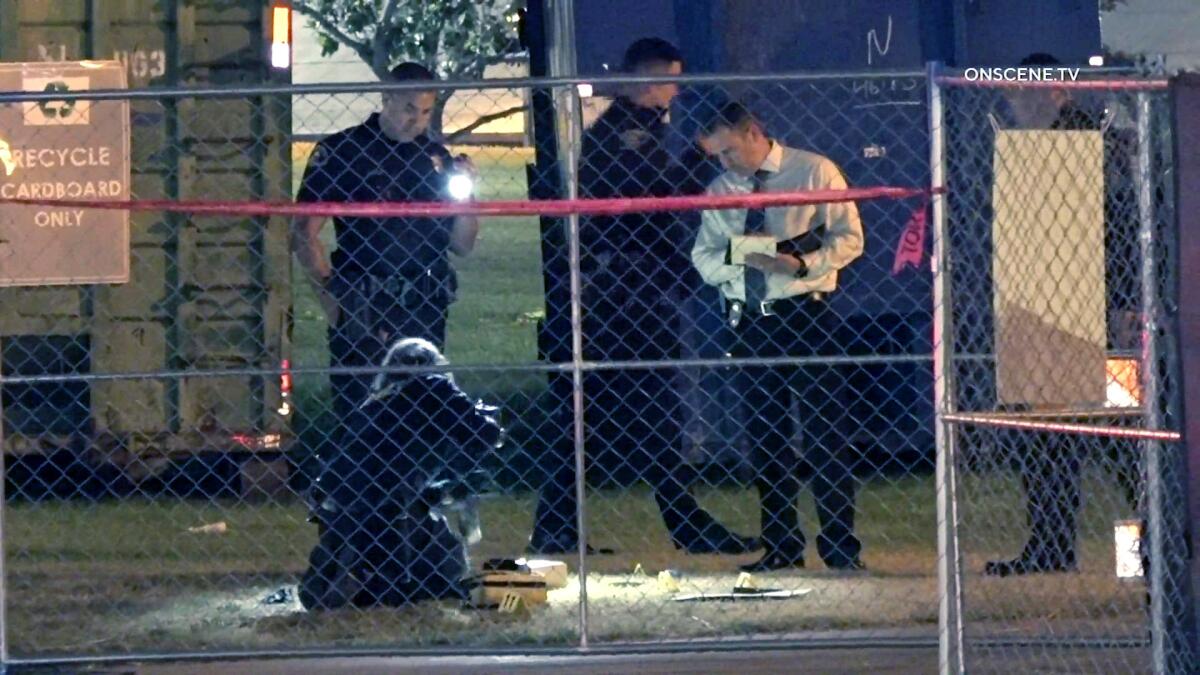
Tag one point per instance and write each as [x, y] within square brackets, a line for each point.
[205, 293]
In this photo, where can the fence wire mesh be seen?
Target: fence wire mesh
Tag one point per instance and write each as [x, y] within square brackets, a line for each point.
[196, 456]
[1060, 232]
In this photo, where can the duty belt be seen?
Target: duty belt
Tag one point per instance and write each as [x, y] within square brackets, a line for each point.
[404, 287]
[737, 308]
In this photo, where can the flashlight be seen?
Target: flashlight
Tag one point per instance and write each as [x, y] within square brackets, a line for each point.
[460, 186]
[459, 183]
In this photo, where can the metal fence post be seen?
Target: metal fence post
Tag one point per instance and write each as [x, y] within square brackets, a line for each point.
[1165, 487]
[1150, 384]
[3, 532]
[950, 658]
[570, 99]
[563, 64]
[1184, 332]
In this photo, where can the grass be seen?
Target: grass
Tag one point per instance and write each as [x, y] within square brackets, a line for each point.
[121, 577]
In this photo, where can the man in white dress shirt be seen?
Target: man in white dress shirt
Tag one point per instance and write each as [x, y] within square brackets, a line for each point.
[776, 297]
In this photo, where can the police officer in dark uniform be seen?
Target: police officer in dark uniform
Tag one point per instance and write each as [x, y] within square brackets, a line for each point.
[390, 277]
[383, 502]
[1051, 464]
[636, 275]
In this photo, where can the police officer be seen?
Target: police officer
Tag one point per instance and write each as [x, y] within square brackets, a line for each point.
[390, 277]
[1051, 464]
[383, 501]
[636, 272]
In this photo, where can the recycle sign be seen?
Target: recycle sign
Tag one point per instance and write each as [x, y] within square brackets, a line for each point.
[56, 108]
[89, 143]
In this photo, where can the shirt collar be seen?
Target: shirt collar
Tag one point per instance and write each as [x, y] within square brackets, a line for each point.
[773, 160]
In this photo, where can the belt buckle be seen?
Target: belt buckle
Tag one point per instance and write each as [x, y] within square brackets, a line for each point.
[764, 308]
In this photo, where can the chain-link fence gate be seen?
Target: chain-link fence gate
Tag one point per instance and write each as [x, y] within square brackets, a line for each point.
[162, 435]
[1062, 376]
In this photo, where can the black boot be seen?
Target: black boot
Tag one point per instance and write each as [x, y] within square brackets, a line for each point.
[1031, 562]
[728, 544]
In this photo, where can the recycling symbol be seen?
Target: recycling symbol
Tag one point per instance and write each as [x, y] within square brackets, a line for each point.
[56, 108]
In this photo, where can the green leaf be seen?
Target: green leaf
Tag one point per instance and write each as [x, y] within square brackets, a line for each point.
[452, 37]
[329, 46]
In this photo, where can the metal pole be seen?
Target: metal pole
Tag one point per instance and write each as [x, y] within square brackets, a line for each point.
[570, 99]
[1150, 384]
[1182, 338]
[950, 656]
[1166, 488]
[563, 64]
[377, 86]
[3, 551]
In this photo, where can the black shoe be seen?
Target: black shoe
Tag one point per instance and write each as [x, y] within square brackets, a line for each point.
[1026, 565]
[855, 565]
[773, 560]
[730, 544]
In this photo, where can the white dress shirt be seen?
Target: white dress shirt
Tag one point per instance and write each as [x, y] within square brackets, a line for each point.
[789, 170]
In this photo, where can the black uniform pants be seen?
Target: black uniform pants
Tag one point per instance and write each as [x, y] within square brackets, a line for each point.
[1051, 464]
[1051, 471]
[801, 327]
[635, 414]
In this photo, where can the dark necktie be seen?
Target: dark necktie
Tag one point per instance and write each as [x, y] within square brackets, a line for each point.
[756, 223]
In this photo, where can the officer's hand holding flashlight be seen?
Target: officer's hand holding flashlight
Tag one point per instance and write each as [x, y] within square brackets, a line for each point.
[461, 180]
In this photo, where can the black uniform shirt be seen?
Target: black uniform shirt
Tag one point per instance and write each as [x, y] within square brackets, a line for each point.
[362, 164]
[610, 169]
[1121, 250]
[427, 429]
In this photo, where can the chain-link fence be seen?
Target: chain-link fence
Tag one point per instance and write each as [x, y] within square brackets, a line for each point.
[237, 450]
[1059, 230]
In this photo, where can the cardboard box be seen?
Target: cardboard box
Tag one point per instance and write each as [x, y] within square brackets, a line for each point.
[553, 571]
[491, 587]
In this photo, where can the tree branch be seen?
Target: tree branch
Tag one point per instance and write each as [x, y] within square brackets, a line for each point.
[379, 58]
[491, 117]
[501, 57]
[422, 47]
[326, 25]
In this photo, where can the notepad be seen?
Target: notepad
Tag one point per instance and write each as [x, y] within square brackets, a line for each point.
[741, 245]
